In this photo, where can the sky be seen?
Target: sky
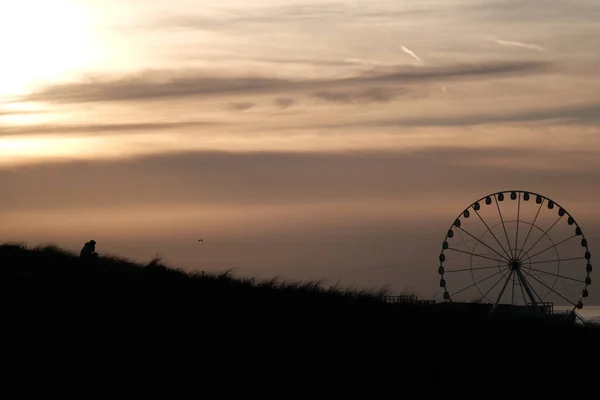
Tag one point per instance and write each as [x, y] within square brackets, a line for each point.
[333, 140]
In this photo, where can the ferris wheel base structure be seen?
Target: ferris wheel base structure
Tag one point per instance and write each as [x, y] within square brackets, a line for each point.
[512, 313]
[517, 253]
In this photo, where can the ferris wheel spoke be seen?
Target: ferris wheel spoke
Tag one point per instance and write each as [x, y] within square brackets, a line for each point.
[517, 234]
[477, 268]
[551, 247]
[492, 288]
[483, 243]
[504, 227]
[556, 275]
[531, 227]
[476, 283]
[557, 260]
[472, 254]
[544, 234]
[490, 230]
[553, 284]
[522, 290]
[551, 289]
[512, 297]
[531, 292]
[510, 274]
[463, 240]
[566, 289]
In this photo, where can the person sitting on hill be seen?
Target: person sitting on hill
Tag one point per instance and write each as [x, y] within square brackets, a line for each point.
[88, 252]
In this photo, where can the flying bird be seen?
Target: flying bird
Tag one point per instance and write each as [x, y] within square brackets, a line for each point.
[200, 240]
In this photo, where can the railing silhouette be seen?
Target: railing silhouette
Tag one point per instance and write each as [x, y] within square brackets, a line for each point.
[406, 299]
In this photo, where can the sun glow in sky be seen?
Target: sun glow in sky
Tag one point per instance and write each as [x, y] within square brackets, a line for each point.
[44, 41]
[291, 111]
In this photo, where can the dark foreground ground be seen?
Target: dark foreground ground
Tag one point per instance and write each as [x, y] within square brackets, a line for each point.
[150, 326]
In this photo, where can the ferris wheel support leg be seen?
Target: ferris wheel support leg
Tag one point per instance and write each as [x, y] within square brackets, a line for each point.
[502, 291]
[530, 294]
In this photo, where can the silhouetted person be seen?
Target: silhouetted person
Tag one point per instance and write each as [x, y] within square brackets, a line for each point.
[88, 253]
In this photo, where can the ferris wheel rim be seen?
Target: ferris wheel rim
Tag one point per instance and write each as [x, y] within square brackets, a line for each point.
[521, 255]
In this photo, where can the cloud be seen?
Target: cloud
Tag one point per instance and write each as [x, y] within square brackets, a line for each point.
[520, 44]
[266, 178]
[369, 95]
[581, 114]
[301, 61]
[531, 12]
[241, 105]
[254, 16]
[338, 97]
[8, 113]
[284, 102]
[156, 85]
[100, 128]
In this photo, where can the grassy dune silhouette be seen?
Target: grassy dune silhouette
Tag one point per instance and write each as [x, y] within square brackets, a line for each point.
[152, 323]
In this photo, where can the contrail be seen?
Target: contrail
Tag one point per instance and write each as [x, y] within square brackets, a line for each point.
[410, 53]
[520, 44]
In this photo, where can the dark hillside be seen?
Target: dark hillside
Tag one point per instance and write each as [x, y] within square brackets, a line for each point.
[155, 325]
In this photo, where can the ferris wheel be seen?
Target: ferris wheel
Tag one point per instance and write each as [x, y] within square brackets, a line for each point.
[517, 248]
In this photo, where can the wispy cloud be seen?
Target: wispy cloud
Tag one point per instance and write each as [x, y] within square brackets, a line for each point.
[193, 54]
[410, 53]
[520, 44]
[8, 113]
[62, 129]
[177, 84]
[246, 178]
[376, 95]
[586, 114]
[265, 17]
[241, 105]
[532, 13]
[284, 102]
